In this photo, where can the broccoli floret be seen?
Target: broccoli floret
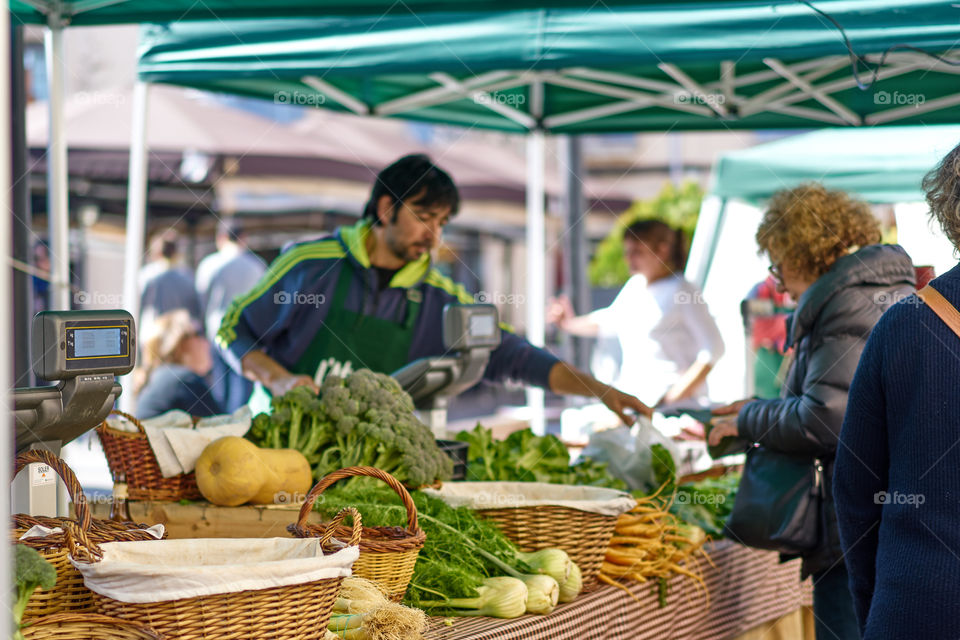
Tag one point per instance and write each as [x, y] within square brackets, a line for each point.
[32, 571]
[364, 418]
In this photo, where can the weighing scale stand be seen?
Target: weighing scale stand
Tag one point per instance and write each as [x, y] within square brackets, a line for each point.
[470, 333]
[83, 351]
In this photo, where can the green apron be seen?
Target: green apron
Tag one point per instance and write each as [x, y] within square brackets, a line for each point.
[348, 341]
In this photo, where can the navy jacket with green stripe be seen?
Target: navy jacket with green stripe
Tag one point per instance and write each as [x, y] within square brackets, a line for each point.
[283, 312]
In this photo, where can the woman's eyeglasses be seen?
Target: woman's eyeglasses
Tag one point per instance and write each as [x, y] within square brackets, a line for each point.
[775, 271]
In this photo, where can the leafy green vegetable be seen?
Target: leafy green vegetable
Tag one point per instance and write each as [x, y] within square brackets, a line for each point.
[707, 503]
[664, 468]
[525, 457]
[363, 419]
[449, 565]
[31, 571]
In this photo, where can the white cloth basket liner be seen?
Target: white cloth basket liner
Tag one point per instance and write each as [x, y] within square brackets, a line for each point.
[164, 570]
[504, 495]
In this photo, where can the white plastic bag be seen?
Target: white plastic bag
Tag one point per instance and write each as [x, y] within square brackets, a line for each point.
[628, 454]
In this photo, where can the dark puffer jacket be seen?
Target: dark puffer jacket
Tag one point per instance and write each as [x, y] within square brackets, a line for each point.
[828, 331]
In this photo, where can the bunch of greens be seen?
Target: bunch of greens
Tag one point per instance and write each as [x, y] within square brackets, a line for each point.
[448, 565]
[363, 419]
[526, 457]
[707, 503]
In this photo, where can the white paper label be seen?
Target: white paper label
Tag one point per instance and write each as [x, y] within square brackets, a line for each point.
[42, 474]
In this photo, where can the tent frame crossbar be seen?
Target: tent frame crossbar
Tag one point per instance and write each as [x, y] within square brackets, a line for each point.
[722, 98]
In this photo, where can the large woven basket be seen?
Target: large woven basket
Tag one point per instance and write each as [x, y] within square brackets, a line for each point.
[583, 535]
[387, 554]
[130, 454]
[294, 612]
[87, 626]
[69, 594]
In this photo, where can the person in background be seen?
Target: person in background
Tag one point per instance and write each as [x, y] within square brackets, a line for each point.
[668, 339]
[176, 357]
[41, 285]
[166, 285]
[824, 251]
[222, 276]
[897, 478]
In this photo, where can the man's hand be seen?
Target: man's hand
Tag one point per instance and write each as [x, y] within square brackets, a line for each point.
[620, 402]
[559, 310]
[733, 408]
[281, 385]
[723, 427]
[260, 367]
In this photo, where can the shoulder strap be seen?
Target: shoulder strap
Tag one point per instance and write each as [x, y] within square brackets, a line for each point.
[940, 306]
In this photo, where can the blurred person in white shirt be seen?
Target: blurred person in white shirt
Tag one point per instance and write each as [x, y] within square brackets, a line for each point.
[668, 339]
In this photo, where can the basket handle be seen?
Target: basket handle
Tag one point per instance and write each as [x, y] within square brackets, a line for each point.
[337, 521]
[74, 489]
[123, 414]
[350, 472]
[79, 545]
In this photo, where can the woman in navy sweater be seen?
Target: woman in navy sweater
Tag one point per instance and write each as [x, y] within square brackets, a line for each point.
[897, 477]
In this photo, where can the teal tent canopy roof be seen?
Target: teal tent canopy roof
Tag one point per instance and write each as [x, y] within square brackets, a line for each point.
[731, 64]
[93, 12]
[878, 164]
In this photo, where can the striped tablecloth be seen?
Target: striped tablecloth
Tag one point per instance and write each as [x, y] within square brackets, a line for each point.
[747, 589]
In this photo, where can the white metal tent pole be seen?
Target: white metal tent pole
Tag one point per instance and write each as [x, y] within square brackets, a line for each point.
[536, 261]
[57, 210]
[136, 219]
[6, 295]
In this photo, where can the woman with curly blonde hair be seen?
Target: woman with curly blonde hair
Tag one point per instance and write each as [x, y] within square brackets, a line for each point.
[823, 249]
[898, 471]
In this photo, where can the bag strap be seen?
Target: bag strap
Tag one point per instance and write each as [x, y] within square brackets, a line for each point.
[942, 307]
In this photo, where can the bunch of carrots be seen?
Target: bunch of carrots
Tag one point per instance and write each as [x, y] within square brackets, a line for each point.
[649, 542]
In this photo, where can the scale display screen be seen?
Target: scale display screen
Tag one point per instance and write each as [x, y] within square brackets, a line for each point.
[483, 326]
[96, 343]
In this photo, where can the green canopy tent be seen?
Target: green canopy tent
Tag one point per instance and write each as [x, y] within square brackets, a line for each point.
[879, 165]
[882, 165]
[729, 64]
[99, 12]
[712, 65]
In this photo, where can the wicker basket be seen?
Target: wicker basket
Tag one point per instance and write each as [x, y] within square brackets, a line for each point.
[130, 454]
[87, 626]
[69, 594]
[295, 612]
[583, 535]
[387, 554]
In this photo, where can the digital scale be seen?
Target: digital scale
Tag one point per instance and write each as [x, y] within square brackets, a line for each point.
[470, 333]
[82, 352]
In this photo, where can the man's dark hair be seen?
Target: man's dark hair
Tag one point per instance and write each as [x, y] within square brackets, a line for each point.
[408, 177]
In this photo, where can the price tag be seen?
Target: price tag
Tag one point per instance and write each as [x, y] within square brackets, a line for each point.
[42, 474]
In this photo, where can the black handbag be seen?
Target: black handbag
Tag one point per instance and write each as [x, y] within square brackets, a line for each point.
[778, 502]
